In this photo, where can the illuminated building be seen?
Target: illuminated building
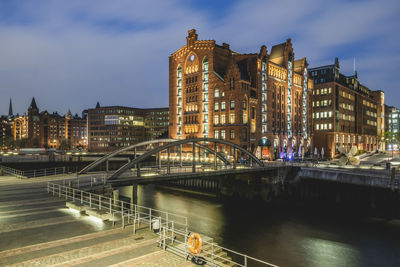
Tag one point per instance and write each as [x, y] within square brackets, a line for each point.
[49, 130]
[243, 98]
[344, 111]
[392, 125]
[114, 127]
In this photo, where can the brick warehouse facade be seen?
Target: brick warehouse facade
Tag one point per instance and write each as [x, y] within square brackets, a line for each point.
[345, 112]
[243, 98]
[49, 130]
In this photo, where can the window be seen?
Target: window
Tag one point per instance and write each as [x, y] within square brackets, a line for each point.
[205, 118]
[223, 135]
[244, 117]
[216, 106]
[253, 113]
[223, 105]
[244, 104]
[216, 93]
[216, 119]
[330, 126]
[232, 104]
[232, 118]
[216, 134]
[232, 135]
[205, 107]
[223, 119]
[317, 126]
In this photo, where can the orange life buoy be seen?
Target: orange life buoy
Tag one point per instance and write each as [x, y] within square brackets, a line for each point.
[195, 243]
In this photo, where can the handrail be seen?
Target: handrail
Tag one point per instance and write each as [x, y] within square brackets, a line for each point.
[168, 222]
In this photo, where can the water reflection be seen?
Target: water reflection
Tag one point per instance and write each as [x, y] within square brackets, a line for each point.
[289, 236]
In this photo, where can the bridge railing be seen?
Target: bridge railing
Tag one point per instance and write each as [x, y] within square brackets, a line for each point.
[34, 173]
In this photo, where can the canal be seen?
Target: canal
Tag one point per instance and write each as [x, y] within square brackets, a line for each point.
[289, 235]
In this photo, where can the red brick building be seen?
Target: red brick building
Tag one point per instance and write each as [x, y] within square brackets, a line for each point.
[244, 98]
[50, 130]
[345, 112]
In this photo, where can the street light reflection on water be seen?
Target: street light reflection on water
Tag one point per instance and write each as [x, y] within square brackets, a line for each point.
[285, 236]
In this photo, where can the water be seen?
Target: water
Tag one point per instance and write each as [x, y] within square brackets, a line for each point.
[290, 236]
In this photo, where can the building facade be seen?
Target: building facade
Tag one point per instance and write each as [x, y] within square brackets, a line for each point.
[49, 130]
[5, 132]
[344, 111]
[244, 98]
[114, 127]
[392, 127]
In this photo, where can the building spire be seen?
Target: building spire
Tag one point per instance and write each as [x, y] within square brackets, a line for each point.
[10, 110]
[33, 104]
[98, 104]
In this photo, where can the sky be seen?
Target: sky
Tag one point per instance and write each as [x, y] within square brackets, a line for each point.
[71, 54]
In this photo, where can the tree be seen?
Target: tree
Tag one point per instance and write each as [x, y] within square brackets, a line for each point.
[65, 144]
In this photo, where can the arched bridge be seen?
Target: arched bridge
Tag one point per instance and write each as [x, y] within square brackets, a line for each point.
[208, 145]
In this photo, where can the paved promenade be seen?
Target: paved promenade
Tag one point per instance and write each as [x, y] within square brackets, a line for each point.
[37, 229]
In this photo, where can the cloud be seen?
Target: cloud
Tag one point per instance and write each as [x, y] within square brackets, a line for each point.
[70, 54]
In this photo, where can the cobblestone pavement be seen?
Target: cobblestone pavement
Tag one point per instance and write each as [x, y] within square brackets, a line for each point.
[37, 229]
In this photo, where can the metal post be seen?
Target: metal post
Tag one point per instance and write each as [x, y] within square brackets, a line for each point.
[194, 157]
[34, 173]
[110, 205]
[234, 158]
[172, 232]
[215, 155]
[245, 260]
[168, 162]
[73, 194]
[90, 199]
[159, 160]
[81, 197]
[138, 170]
[106, 166]
[99, 202]
[180, 154]
[134, 154]
[150, 218]
[48, 189]
[165, 245]
[59, 190]
[44, 172]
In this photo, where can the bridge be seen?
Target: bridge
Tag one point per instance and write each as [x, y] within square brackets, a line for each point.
[196, 153]
[170, 160]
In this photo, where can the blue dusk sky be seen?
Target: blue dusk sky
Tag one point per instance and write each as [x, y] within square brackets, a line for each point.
[70, 54]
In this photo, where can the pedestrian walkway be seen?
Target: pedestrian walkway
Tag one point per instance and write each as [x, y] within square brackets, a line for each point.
[38, 230]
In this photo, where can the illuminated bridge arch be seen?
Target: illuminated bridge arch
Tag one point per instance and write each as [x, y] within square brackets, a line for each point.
[194, 142]
[96, 163]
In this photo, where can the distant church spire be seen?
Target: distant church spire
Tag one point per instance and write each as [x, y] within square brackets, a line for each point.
[10, 111]
[33, 104]
[98, 104]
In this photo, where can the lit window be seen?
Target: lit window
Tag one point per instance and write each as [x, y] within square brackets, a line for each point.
[216, 106]
[232, 134]
[223, 105]
[216, 134]
[232, 118]
[216, 119]
[232, 104]
[216, 93]
[223, 135]
[330, 126]
[223, 119]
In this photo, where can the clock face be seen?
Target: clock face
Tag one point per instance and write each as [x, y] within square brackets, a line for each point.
[191, 57]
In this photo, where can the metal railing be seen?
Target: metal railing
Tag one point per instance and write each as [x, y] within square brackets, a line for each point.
[173, 228]
[211, 254]
[34, 173]
[14, 172]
